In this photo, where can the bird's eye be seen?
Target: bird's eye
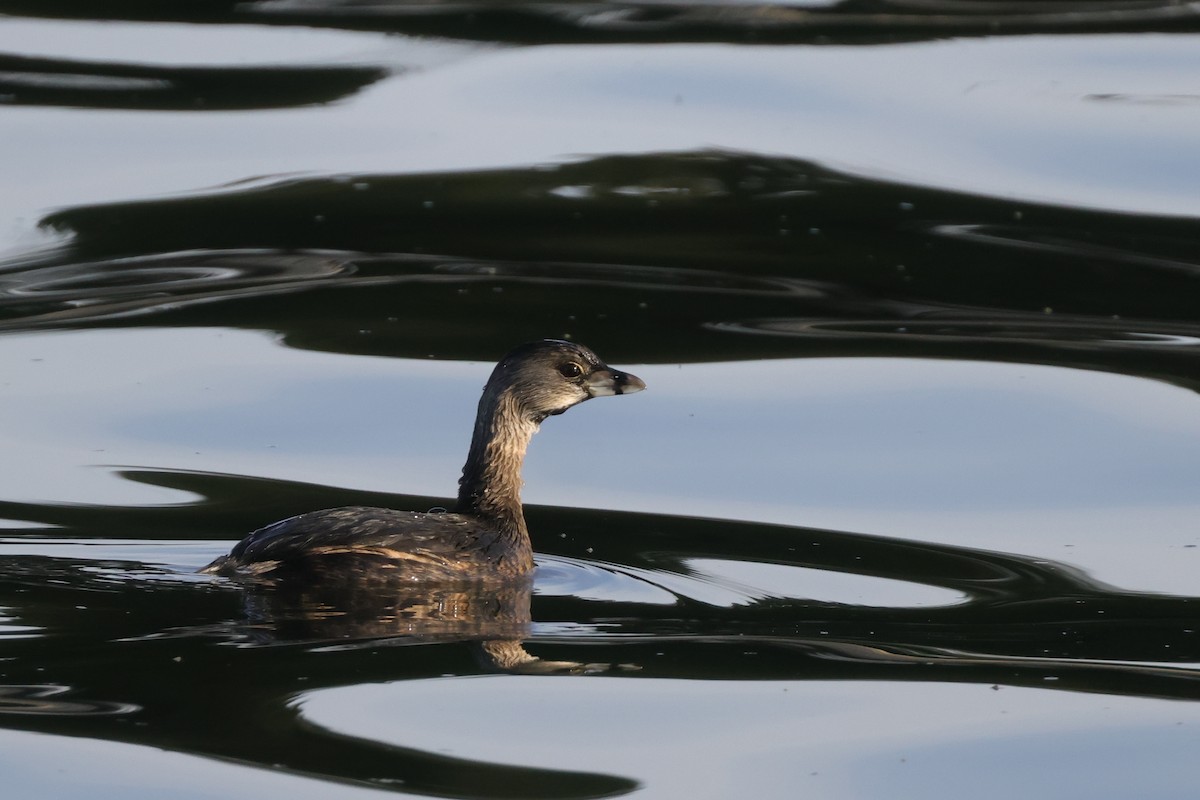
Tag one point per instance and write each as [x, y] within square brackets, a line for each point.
[570, 370]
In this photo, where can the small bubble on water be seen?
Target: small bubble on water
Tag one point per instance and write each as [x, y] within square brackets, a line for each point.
[906, 206]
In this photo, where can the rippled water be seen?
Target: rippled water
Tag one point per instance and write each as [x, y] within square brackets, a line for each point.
[909, 504]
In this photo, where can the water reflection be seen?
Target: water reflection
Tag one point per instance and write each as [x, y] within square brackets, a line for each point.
[149, 647]
[345, 607]
[54, 701]
[668, 256]
[90, 292]
[799, 21]
[671, 257]
[28, 81]
[994, 604]
[671, 600]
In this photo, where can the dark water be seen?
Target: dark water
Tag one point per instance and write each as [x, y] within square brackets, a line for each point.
[908, 510]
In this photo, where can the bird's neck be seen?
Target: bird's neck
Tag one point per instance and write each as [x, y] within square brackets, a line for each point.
[490, 486]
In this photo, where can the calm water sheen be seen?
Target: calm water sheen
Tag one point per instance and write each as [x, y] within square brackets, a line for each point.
[909, 509]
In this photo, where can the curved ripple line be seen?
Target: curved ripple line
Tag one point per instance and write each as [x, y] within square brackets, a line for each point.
[44, 700]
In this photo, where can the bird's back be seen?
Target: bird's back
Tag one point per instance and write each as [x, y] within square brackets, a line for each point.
[424, 546]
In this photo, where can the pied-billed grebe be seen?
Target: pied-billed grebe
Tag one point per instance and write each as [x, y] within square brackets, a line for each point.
[486, 536]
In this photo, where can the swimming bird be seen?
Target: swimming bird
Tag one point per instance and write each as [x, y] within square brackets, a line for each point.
[485, 537]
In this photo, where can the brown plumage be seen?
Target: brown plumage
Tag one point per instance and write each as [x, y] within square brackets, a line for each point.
[485, 536]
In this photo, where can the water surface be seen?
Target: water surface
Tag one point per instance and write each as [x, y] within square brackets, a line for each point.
[910, 499]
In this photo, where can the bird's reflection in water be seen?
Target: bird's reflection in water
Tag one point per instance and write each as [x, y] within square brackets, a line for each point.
[343, 600]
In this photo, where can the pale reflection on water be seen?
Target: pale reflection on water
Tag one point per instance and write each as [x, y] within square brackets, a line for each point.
[73, 768]
[779, 739]
[1067, 464]
[761, 581]
[1003, 117]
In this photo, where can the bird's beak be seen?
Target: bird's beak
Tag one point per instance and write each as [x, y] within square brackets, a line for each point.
[607, 381]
